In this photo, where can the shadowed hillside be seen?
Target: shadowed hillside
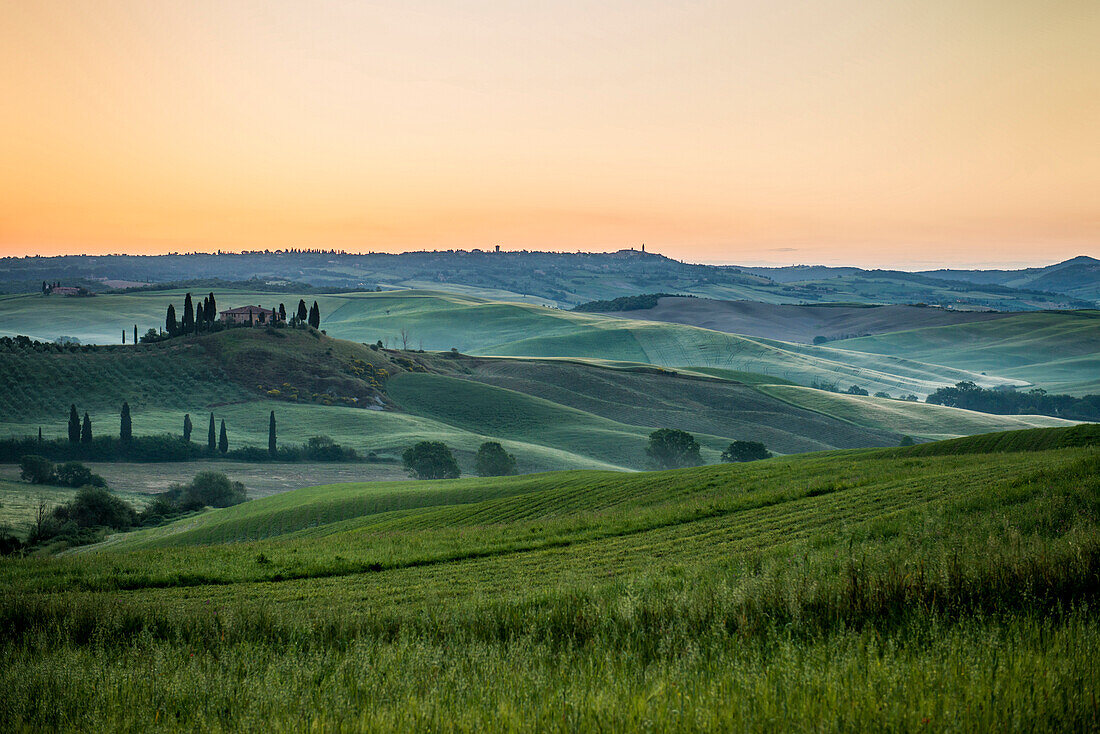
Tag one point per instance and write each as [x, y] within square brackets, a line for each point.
[801, 323]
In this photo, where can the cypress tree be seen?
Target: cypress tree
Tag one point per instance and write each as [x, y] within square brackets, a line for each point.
[302, 311]
[212, 309]
[211, 436]
[223, 439]
[188, 315]
[315, 316]
[40, 427]
[170, 324]
[125, 432]
[86, 430]
[135, 334]
[282, 312]
[200, 318]
[271, 447]
[74, 425]
[187, 427]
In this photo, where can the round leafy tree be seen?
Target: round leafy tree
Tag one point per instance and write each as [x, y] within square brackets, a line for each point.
[671, 448]
[745, 451]
[493, 461]
[430, 460]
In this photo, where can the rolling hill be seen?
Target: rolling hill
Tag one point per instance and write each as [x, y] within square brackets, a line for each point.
[918, 420]
[551, 414]
[442, 321]
[1060, 351]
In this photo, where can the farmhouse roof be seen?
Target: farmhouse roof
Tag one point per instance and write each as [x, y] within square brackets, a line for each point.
[248, 309]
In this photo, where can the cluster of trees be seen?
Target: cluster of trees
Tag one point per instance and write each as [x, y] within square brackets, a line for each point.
[671, 448]
[857, 390]
[194, 319]
[94, 511]
[668, 448]
[21, 344]
[627, 303]
[433, 460]
[204, 317]
[40, 470]
[81, 444]
[84, 519]
[207, 489]
[1011, 402]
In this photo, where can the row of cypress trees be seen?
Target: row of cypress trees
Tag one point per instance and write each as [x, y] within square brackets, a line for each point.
[196, 317]
[81, 431]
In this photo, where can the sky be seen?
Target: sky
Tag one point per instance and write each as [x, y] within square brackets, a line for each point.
[905, 133]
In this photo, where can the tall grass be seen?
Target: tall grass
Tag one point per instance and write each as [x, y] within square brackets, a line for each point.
[846, 592]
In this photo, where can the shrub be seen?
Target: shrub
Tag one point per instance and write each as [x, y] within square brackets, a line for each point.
[323, 448]
[745, 451]
[36, 469]
[671, 448]
[492, 460]
[95, 507]
[856, 390]
[75, 474]
[214, 489]
[430, 460]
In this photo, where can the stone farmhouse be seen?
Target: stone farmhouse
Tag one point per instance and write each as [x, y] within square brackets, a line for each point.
[254, 315]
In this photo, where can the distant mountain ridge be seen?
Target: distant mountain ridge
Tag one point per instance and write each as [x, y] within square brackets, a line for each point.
[568, 279]
[1078, 277]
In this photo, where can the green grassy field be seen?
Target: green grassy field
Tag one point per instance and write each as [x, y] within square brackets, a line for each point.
[1059, 351]
[919, 420]
[440, 321]
[867, 590]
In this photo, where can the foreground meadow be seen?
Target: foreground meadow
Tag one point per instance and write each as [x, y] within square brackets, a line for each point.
[870, 590]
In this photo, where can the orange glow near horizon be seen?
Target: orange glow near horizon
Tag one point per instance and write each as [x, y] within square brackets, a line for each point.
[903, 134]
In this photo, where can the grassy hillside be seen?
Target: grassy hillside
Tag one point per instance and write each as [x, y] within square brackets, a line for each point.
[597, 417]
[1059, 351]
[857, 591]
[496, 411]
[647, 398]
[919, 420]
[551, 413]
[1034, 439]
[482, 327]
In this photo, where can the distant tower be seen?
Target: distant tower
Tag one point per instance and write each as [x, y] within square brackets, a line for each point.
[498, 248]
[643, 247]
